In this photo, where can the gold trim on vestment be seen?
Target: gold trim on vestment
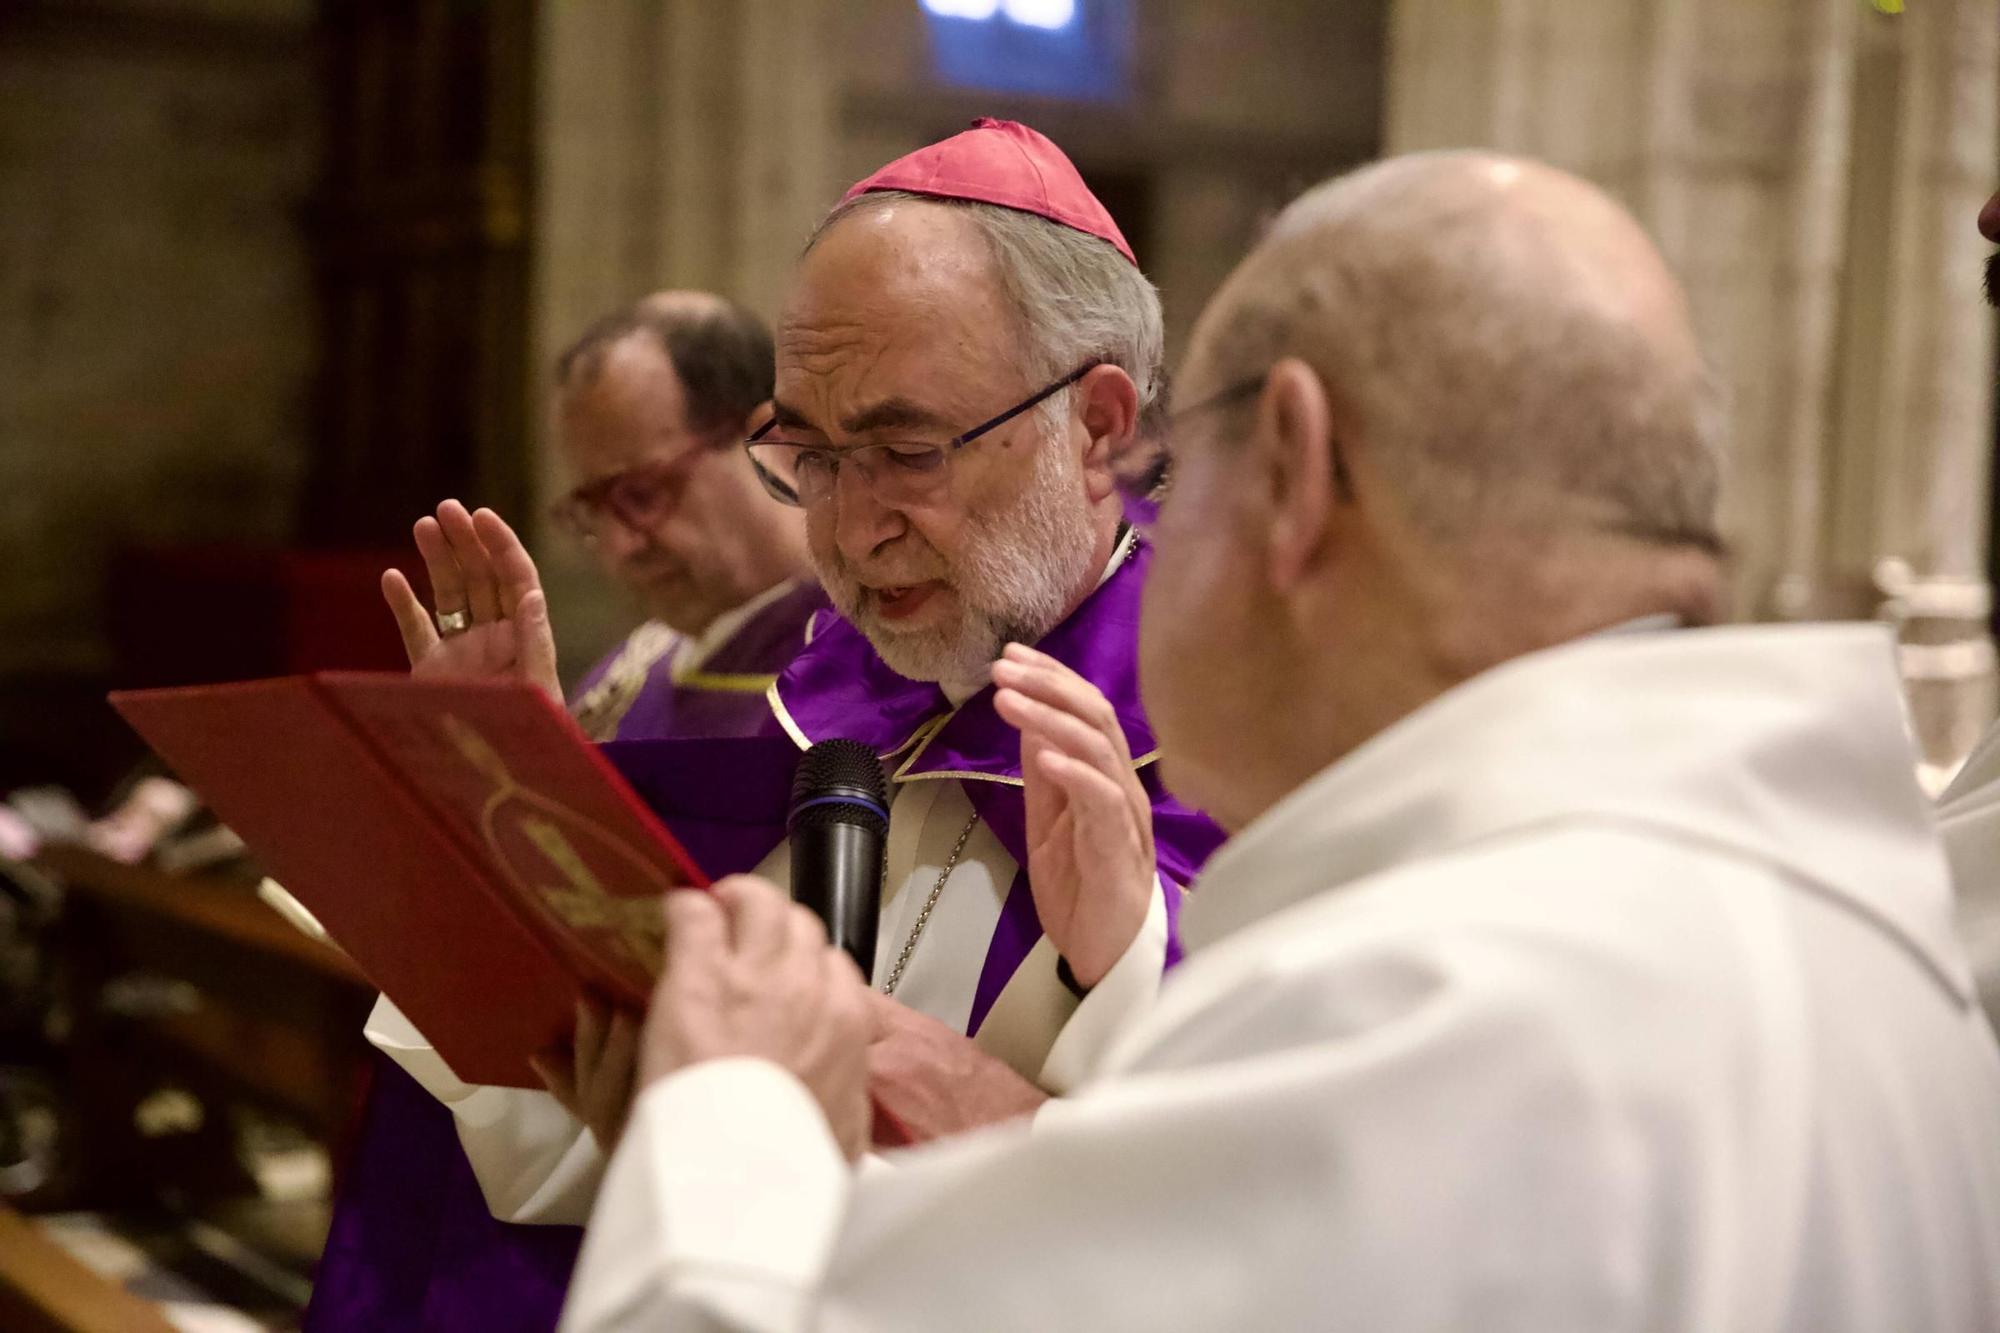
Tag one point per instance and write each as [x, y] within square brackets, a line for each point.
[725, 683]
[903, 774]
[1120, 553]
[805, 742]
[604, 705]
[923, 734]
[784, 717]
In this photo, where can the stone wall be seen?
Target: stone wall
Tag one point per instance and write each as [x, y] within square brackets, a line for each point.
[1813, 172]
[156, 322]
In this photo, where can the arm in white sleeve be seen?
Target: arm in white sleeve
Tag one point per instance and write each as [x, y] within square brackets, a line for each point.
[534, 1160]
[1267, 1171]
[766, 1156]
[1122, 994]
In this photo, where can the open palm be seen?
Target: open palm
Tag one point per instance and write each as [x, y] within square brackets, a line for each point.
[1072, 847]
[478, 566]
[1091, 861]
[493, 649]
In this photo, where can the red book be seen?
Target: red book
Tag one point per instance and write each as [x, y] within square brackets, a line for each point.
[463, 841]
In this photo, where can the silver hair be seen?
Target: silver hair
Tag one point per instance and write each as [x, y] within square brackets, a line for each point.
[1075, 298]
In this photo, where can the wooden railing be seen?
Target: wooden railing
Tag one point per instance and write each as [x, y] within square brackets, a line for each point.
[44, 1290]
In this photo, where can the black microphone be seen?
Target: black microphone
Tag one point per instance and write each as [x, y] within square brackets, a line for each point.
[839, 827]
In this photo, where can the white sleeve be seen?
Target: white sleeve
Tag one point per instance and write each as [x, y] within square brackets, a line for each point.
[1272, 1169]
[1122, 994]
[1969, 823]
[744, 1224]
[535, 1161]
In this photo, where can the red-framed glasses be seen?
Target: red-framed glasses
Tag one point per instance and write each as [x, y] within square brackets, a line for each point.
[639, 497]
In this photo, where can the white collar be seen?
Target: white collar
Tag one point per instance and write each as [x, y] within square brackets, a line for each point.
[1788, 744]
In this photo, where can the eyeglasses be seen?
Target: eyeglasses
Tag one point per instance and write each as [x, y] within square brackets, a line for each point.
[639, 498]
[1143, 470]
[897, 471]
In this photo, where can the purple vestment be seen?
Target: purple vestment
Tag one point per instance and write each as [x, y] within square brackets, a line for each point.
[640, 692]
[413, 1245]
[839, 686]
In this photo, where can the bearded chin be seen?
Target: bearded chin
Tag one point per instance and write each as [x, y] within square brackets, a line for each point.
[1015, 579]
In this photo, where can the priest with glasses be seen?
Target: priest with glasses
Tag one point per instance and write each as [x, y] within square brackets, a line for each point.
[974, 281]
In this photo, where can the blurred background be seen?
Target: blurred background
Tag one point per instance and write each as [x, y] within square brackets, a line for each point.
[278, 275]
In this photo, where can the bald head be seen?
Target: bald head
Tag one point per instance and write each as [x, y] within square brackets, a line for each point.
[685, 303]
[1454, 413]
[719, 351]
[1505, 337]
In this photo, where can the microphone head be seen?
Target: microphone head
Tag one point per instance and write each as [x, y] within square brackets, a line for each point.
[840, 781]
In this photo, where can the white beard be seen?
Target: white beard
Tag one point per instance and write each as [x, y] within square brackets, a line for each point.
[1015, 579]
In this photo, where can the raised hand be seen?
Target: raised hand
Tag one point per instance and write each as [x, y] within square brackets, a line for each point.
[1090, 825]
[478, 567]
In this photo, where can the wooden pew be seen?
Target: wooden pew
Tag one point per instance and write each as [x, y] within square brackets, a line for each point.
[44, 1290]
[255, 1012]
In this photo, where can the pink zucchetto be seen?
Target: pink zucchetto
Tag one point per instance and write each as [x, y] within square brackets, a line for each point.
[1002, 162]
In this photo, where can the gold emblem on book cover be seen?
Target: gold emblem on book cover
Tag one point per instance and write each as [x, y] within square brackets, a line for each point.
[627, 925]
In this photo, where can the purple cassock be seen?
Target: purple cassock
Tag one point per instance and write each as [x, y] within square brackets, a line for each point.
[413, 1246]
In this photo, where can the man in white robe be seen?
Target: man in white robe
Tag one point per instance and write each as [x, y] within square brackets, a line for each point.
[1574, 966]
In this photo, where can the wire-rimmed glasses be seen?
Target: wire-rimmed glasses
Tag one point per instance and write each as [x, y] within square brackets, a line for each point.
[897, 471]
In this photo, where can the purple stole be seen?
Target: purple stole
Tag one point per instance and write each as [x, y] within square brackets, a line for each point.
[724, 697]
[838, 686]
[413, 1246]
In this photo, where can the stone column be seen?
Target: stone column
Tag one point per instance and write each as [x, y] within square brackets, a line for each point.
[1921, 457]
[1813, 172]
[680, 143]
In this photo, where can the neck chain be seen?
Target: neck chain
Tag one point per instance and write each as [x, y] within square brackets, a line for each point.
[924, 916]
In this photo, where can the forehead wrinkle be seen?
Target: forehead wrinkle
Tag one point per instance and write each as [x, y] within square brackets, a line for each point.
[903, 271]
[819, 349]
[853, 377]
[895, 322]
[633, 409]
[818, 362]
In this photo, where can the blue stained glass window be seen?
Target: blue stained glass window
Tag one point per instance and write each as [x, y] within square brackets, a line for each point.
[1075, 49]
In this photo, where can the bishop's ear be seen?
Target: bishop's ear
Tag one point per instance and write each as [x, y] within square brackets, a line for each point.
[1297, 452]
[1108, 402]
